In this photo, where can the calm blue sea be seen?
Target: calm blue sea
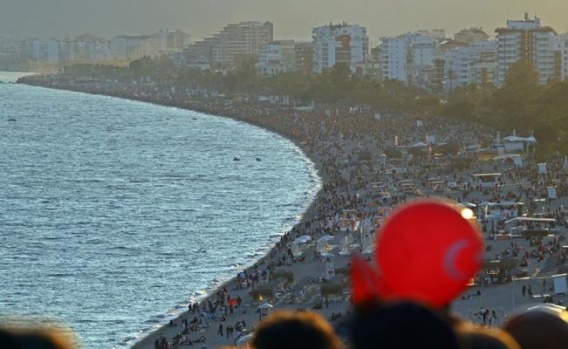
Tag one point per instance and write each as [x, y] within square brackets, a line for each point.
[114, 214]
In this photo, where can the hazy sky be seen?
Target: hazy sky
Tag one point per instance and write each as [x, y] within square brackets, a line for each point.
[293, 19]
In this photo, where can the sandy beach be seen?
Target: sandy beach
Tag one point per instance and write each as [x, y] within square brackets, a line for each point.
[308, 268]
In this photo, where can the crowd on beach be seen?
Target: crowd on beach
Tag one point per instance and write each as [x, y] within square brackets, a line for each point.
[361, 185]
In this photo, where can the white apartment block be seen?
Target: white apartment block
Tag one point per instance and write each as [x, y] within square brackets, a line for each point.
[276, 58]
[234, 41]
[339, 43]
[130, 47]
[560, 51]
[40, 50]
[473, 64]
[242, 39]
[404, 57]
[526, 40]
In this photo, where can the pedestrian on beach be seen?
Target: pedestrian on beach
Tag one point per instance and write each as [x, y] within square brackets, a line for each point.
[524, 290]
[529, 291]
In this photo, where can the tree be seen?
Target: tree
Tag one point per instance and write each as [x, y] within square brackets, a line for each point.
[551, 123]
[516, 100]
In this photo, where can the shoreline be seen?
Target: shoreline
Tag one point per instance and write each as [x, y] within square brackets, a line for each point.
[309, 213]
[335, 141]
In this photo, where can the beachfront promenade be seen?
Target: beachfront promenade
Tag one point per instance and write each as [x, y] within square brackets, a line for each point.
[308, 268]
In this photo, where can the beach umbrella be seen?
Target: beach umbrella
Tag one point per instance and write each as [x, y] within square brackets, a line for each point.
[326, 238]
[303, 239]
[468, 204]
[244, 339]
[265, 305]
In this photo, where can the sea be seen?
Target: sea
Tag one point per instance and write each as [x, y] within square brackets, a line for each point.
[116, 214]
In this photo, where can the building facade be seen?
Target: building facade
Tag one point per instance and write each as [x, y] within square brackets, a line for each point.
[339, 43]
[560, 52]
[473, 64]
[526, 41]
[406, 56]
[304, 57]
[276, 58]
[234, 41]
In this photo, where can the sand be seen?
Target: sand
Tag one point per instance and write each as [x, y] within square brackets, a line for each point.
[305, 291]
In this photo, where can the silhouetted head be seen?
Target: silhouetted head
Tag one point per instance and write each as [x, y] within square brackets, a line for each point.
[8, 340]
[402, 325]
[298, 330]
[34, 337]
[537, 329]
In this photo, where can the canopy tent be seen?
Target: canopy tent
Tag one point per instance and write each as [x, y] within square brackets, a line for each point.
[299, 245]
[323, 247]
[510, 159]
[264, 309]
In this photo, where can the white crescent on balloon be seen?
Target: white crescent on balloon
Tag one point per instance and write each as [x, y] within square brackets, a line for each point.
[450, 259]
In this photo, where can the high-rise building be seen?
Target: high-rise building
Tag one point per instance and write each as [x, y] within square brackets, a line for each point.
[560, 52]
[405, 56]
[130, 47]
[304, 57]
[525, 41]
[339, 43]
[472, 64]
[235, 40]
[276, 58]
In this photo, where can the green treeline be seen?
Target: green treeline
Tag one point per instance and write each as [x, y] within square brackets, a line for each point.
[521, 103]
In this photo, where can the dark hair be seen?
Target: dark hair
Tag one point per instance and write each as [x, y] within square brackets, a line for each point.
[538, 329]
[295, 330]
[36, 338]
[402, 325]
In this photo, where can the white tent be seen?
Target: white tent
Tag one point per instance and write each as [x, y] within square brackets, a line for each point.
[244, 339]
[265, 305]
[326, 238]
[299, 245]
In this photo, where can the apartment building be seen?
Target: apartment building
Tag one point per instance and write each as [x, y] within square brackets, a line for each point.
[527, 41]
[40, 50]
[560, 52]
[472, 64]
[304, 57]
[339, 43]
[234, 41]
[404, 57]
[276, 58]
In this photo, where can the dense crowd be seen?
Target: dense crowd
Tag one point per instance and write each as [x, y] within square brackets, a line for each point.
[348, 144]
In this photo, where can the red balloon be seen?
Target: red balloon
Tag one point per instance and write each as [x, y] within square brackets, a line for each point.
[427, 252]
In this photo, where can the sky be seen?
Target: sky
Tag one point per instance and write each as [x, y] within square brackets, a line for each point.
[293, 19]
